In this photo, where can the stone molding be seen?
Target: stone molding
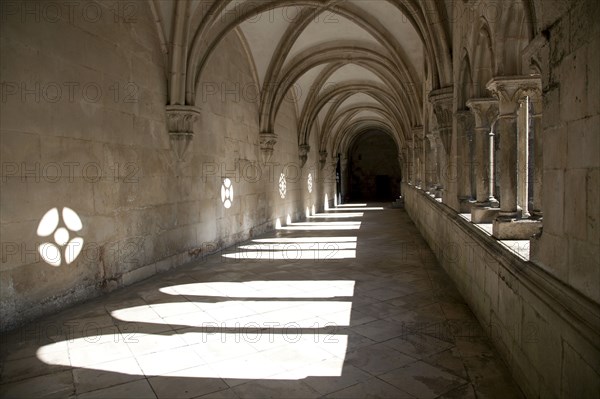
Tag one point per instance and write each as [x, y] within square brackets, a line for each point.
[485, 110]
[509, 90]
[180, 125]
[442, 101]
[303, 151]
[267, 144]
[322, 159]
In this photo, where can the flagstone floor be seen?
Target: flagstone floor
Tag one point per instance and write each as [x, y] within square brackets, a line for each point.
[349, 304]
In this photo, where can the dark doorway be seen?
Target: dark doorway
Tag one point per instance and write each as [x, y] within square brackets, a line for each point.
[383, 188]
[373, 168]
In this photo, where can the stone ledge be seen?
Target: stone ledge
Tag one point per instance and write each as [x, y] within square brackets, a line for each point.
[515, 229]
[483, 214]
[571, 306]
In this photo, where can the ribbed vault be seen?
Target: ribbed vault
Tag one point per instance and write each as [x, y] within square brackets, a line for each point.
[321, 53]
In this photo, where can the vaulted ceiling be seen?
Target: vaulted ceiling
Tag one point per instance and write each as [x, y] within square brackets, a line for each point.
[352, 65]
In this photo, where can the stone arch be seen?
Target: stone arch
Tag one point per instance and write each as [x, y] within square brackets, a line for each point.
[367, 58]
[466, 87]
[371, 25]
[345, 136]
[484, 65]
[512, 35]
[378, 91]
[352, 110]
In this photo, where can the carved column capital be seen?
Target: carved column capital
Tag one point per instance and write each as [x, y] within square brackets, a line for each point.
[485, 110]
[303, 151]
[180, 125]
[509, 90]
[417, 131]
[529, 54]
[322, 158]
[267, 144]
[343, 161]
[434, 139]
[442, 101]
[466, 118]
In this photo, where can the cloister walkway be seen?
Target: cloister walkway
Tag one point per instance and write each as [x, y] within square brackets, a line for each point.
[348, 304]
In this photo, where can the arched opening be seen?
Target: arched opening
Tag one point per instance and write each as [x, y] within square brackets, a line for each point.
[374, 170]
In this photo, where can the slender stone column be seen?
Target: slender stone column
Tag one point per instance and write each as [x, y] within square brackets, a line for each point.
[344, 178]
[413, 169]
[418, 154]
[442, 101]
[509, 91]
[464, 161]
[492, 161]
[485, 111]
[430, 167]
[523, 157]
[436, 164]
[537, 153]
[409, 161]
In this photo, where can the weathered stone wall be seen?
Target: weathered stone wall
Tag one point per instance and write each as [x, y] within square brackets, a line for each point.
[548, 333]
[83, 126]
[569, 247]
[542, 315]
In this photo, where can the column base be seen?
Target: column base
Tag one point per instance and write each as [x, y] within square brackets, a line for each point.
[466, 204]
[537, 215]
[483, 213]
[515, 229]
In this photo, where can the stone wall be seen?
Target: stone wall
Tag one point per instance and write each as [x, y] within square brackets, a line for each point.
[83, 127]
[543, 315]
[569, 247]
[547, 333]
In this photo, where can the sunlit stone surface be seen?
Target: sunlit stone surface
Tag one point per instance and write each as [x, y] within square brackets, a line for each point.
[386, 319]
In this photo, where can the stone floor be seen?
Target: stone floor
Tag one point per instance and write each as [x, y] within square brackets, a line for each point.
[351, 304]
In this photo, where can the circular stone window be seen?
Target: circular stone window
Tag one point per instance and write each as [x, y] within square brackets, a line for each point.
[64, 247]
[282, 186]
[227, 193]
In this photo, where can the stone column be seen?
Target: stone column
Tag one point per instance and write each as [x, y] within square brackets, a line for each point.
[418, 155]
[523, 157]
[485, 111]
[464, 161]
[537, 153]
[343, 178]
[409, 162]
[442, 101]
[435, 185]
[413, 170]
[419, 161]
[509, 90]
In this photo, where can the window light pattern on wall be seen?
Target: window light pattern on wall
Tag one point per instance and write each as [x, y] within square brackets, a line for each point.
[227, 193]
[51, 252]
[310, 183]
[282, 186]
